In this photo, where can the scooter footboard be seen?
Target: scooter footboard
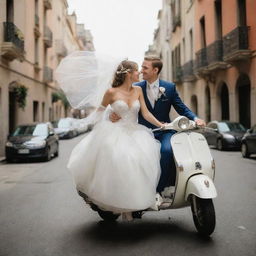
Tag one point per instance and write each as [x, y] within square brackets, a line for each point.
[201, 186]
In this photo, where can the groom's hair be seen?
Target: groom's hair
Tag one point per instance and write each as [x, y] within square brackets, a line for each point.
[156, 62]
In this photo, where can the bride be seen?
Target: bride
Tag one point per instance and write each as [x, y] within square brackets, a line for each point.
[117, 165]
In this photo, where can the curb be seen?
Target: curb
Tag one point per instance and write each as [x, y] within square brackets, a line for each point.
[2, 159]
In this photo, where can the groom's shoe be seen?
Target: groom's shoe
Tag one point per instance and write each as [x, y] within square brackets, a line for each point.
[137, 214]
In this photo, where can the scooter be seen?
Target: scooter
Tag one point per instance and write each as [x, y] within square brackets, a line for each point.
[195, 171]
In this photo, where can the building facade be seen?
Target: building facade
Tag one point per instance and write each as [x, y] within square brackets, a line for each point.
[213, 56]
[34, 36]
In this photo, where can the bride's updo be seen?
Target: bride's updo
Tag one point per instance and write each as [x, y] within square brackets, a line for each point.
[123, 68]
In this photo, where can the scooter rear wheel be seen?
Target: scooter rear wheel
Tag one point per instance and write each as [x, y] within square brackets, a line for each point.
[203, 215]
[107, 216]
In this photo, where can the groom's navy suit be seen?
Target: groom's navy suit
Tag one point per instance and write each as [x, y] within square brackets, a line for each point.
[161, 111]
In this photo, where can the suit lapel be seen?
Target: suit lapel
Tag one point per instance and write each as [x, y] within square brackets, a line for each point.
[144, 89]
[158, 101]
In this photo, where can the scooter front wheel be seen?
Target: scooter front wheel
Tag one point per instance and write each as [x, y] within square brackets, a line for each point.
[203, 215]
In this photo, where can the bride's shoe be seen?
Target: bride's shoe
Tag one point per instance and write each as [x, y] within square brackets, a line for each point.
[127, 216]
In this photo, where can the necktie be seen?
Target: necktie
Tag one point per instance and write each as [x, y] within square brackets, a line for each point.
[151, 95]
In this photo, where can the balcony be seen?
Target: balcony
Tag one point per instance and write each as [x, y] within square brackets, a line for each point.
[176, 22]
[177, 74]
[235, 45]
[47, 36]
[36, 28]
[13, 43]
[201, 61]
[215, 56]
[47, 75]
[188, 71]
[61, 49]
[48, 4]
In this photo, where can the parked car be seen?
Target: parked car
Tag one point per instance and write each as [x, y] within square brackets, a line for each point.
[249, 142]
[32, 141]
[66, 128]
[82, 126]
[224, 134]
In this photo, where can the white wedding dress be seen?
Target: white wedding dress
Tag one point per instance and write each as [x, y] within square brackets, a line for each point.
[117, 165]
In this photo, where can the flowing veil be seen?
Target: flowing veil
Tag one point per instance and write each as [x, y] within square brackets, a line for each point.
[84, 76]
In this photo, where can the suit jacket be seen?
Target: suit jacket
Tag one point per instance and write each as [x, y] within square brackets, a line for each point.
[163, 104]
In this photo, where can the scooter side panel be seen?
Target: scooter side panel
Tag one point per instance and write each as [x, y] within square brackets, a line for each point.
[192, 151]
[192, 154]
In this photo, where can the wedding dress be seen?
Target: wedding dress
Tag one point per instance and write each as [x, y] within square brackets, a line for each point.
[117, 165]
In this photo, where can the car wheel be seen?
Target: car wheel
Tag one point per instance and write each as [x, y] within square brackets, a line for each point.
[219, 144]
[8, 160]
[48, 155]
[244, 151]
[57, 151]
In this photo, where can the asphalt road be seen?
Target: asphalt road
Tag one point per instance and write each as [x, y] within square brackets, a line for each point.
[41, 214]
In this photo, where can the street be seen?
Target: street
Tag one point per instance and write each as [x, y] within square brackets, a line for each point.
[41, 214]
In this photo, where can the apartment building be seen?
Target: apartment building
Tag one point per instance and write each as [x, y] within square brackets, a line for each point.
[34, 36]
[213, 49]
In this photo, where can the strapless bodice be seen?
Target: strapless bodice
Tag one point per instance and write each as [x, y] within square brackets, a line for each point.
[126, 112]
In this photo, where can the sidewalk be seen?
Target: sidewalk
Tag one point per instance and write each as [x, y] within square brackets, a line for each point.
[2, 158]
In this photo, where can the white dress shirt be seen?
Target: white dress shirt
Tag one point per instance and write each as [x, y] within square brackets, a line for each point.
[152, 92]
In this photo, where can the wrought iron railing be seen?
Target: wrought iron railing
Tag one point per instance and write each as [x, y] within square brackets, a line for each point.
[14, 35]
[47, 34]
[177, 74]
[201, 58]
[176, 21]
[215, 52]
[47, 75]
[36, 20]
[188, 69]
[236, 40]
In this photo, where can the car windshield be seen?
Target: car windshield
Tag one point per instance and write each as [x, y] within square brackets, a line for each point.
[231, 127]
[31, 130]
[64, 123]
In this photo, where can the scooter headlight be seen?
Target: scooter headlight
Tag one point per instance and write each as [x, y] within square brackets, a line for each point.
[183, 123]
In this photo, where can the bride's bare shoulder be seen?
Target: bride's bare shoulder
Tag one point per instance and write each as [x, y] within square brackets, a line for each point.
[110, 91]
[137, 88]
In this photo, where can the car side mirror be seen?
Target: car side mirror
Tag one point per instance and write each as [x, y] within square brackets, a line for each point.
[51, 133]
[216, 130]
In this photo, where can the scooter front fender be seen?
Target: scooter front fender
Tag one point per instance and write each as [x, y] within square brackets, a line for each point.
[201, 186]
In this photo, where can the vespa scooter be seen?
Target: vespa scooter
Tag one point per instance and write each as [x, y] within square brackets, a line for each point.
[195, 171]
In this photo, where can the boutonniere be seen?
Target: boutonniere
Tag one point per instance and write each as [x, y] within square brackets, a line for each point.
[161, 92]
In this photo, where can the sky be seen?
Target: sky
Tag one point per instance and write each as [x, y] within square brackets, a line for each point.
[122, 28]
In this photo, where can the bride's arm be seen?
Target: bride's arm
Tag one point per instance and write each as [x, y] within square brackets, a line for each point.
[98, 114]
[145, 112]
[107, 99]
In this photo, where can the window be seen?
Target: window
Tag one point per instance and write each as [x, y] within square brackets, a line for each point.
[191, 44]
[203, 36]
[9, 11]
[35, 111]
[43, 111]
[218, 19]
[241, 9]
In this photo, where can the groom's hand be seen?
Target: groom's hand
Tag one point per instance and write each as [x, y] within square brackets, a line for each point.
[200, 122]
[113, 117]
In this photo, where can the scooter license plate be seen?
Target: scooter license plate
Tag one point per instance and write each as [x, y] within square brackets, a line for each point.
[23, 151]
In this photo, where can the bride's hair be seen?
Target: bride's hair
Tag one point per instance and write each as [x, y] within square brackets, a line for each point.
[123, 68]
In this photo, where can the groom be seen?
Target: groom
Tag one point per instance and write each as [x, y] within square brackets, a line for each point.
[160, 96]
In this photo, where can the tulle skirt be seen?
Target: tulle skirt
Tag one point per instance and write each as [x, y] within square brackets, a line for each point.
[117, 165]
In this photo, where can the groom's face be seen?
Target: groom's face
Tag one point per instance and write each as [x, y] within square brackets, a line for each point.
[148, 71]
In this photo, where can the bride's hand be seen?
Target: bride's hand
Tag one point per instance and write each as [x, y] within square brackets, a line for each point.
[163, 126]
[113, 117]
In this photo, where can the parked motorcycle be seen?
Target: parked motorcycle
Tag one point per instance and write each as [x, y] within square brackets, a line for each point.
[195, 171]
